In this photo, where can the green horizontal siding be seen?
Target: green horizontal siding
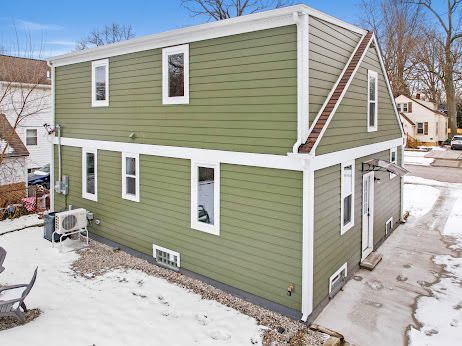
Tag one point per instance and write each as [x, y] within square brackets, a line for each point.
[330, 48]
[259, 248]
[331, 249]
[348, 128]
[243, 96]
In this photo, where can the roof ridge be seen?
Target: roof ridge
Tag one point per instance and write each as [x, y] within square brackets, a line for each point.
[335, 97]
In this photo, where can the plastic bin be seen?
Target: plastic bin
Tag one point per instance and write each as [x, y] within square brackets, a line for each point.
[49, 227]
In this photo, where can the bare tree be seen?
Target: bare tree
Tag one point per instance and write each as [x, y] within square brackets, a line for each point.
[450, 28]
[108, 34]
[224, 9]
[397, 25]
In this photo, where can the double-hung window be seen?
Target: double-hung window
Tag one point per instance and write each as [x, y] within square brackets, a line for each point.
[175, 75]
[131, 177]
[372, 100]
[89, 174]
[422, 128]
[347, 195]
[100, 83]
[393, 159]
[205, 197]
[31, 137]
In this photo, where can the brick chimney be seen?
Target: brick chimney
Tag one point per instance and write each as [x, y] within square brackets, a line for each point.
[417, 96]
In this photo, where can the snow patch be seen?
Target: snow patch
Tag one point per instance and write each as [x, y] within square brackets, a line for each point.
[453, 226]
[19, 223]
[417, 158]
[419, 199]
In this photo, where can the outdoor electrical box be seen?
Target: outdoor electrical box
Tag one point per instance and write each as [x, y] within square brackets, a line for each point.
[62, 186]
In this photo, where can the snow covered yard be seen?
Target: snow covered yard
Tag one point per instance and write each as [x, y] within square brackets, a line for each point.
[415, 157]
[107, 305]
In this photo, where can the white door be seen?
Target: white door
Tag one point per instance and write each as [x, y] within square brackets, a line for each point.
[368, 215]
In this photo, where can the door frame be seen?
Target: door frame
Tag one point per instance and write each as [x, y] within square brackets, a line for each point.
[367, 239]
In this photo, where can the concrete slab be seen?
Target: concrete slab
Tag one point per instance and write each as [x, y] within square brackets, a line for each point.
[445, 174]
[376, 307]
[371, 261]
[447, 163]
[445, 154]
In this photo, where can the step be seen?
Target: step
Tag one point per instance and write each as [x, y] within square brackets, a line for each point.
[371, 261]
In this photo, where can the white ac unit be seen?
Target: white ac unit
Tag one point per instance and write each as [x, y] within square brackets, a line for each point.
[72, 220]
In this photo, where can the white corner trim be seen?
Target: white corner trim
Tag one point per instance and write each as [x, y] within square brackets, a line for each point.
[238, 25]
[85, 194]
[375, 75]
[307, 241]
[195, 223]
[94, 101]
[166, 52]
[164, 249]
[337, 157]
[387, 82]
[125, 195]
[289, 162]
[343, 267]
[302, 21]
[349, 225]
[52, 156]
[326, 125]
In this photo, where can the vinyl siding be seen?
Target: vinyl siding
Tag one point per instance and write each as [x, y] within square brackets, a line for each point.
[243, 96]
[330, 48]
[259, 247]
[331, 249]
[348, 128]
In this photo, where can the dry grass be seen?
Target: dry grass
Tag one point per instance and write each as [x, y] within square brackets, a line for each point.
[11, 322]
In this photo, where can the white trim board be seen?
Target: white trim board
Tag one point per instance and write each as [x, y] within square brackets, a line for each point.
[233, 26]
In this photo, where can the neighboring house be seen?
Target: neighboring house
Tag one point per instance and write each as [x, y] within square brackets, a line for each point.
[422, 121]
[13, 171]
[251, 151]
[28, 79]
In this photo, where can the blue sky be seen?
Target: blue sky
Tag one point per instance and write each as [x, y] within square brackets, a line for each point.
[55, 26]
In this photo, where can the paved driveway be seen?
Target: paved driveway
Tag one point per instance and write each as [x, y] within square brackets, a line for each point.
[376, 308]
[445, 174]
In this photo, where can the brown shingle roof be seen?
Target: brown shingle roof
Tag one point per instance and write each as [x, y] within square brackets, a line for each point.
[330, 106]
[23, 70]
[7, 133]
[408, 120]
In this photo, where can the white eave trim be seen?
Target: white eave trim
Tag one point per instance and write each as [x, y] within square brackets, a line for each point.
[233, 26]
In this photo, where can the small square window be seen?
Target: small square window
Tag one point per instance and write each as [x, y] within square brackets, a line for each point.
[100, 83]
[131, 177]
[175, 75]
[31, 137]
[166, 257]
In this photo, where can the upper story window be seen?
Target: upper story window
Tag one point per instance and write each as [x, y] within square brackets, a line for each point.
[348, 187]
[175, 75]
[31, 137]
[89, 174]
[131, 177]
[402, 107]
[100, 83]
[205, 197]
[372, 100]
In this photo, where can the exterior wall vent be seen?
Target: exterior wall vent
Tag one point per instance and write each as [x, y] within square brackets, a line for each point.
[337, 280]
[165, 257]
[389, 226]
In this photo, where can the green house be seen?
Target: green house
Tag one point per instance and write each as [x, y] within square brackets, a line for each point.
[260, 154]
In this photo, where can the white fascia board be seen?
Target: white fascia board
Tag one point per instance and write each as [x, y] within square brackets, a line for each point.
[233, 26]
[289, 162]
[337, 157]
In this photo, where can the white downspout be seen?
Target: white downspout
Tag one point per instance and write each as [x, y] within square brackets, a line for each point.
[301, 19]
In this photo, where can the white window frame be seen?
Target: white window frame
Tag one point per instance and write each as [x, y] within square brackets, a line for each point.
[196, 224]
[374, 74]
[423, 128]
[345, 228]
[175, 100]
[36, 136]
[339, 270]
[134, 198]
[393, 150]
[171, 252]
[94, 101]
[390, 220]
[405, 105]
[85, 194]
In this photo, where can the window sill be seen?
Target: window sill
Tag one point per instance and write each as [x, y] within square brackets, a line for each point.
[179, 100]
[90, 197]
[131, 198]
[100, 103]
[346, 228]
[206, 228]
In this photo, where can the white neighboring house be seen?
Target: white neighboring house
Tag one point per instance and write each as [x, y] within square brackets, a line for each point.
[34, 75]
[422, 121]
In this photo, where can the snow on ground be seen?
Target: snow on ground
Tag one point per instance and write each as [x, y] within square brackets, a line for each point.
[417, 158]
[18, 223]
[419, 199]
[440, 315]
[118, 308]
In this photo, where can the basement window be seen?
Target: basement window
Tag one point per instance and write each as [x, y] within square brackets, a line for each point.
[205, 197]
[166, 257]
[31, 137]
[175, 75]
[347, 192]
[89, 172]
[372, 100]
[389, 226]
[100, 83]
[131, 177]
[337, 280]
